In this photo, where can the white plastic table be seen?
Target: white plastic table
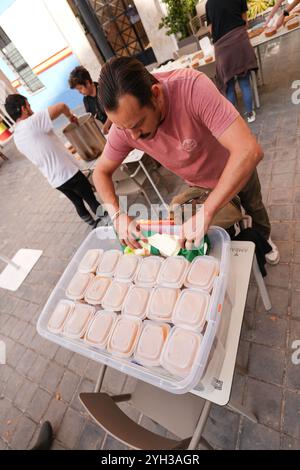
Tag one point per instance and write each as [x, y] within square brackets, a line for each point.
[185, 61]
[262, 39]
[243, 260]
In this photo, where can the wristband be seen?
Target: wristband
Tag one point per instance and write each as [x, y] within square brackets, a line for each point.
[115, 215]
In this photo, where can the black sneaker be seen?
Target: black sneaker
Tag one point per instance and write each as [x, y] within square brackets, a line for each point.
[88, 219]
[102, 221]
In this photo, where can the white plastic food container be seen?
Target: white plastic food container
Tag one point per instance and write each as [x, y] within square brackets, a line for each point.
[127, 267]
[77, 287]
[136, 302]
[60, 315]
[124, 336]
[191, 309]
[173, 272]
[151, 343]
[100, 329]
[147, 274]
[202, 273]
[96, 290]
[78, 321]
[162, 303]
[90, 261]
[217, 316]
[115, 296]
[108, 263]
[180, 352]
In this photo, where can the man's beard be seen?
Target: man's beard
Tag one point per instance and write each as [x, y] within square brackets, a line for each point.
[151, 135]
[145, 136]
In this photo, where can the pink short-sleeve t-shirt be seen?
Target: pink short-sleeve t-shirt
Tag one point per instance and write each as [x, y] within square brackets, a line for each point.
[186, 142]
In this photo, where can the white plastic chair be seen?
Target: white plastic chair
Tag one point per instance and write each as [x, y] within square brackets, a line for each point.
[127, 184]
[182, 415]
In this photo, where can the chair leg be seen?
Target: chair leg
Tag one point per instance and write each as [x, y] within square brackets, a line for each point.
[149, 202]
[121, 398]
[100, 379]
[153, 185]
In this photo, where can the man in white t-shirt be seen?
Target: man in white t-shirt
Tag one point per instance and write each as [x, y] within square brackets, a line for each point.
[35, 137]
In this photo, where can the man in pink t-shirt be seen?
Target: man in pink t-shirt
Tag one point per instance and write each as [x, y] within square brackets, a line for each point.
[181, 120]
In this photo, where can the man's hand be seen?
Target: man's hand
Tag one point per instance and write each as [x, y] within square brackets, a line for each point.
[74, 119]
[193, 231]
[280, 21]
[58, 109]
[128, 231]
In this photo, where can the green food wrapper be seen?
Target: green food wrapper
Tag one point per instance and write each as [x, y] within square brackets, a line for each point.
[187, 254]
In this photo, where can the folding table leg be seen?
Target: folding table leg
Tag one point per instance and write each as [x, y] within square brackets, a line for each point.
[200, 426]
[255, 89]
[260, 65]
[261, 285]
[233, 406]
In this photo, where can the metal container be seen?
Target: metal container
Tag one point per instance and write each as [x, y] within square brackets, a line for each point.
[86, 137]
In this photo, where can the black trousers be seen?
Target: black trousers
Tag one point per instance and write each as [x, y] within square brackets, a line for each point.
[79, 190]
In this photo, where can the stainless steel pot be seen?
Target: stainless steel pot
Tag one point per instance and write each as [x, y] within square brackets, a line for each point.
[86, 138]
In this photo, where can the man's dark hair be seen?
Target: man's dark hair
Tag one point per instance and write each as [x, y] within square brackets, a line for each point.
[124, 75]
[79, 76]
[13, 105]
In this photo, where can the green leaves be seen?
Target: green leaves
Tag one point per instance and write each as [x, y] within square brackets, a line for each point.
[179, 14]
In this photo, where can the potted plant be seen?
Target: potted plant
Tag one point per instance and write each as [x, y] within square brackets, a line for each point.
[179, 14]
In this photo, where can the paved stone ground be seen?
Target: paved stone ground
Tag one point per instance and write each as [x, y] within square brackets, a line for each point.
[42, 381]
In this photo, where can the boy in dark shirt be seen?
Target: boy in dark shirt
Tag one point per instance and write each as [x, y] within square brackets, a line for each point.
[81, 81]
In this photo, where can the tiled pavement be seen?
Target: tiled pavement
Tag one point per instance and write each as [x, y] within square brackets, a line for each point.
[42, 381]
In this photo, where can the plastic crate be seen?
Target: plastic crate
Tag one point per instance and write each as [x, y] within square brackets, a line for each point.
[104, 238]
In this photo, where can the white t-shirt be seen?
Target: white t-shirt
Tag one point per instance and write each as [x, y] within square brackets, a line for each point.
[36, 139]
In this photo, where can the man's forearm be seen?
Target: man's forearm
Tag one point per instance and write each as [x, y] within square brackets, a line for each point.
[106, 190]
[67, 112]
[234, 177]
[290, 7]
[276, 7]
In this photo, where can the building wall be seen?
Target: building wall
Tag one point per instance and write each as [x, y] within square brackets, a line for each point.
[151, 13]
[52, 42]
[74, 35]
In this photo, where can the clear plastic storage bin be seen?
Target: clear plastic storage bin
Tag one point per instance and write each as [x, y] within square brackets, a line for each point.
[104, 238]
